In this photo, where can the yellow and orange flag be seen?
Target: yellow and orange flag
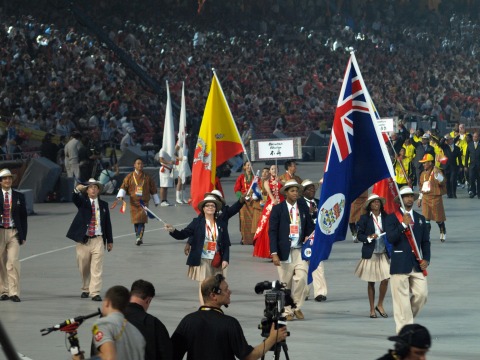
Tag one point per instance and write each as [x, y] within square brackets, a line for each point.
[218, 141]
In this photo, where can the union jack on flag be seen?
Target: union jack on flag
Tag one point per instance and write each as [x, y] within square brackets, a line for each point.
[357, 158]
[351, 101]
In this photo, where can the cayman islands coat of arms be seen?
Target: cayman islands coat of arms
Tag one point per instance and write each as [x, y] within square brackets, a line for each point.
[331, 213]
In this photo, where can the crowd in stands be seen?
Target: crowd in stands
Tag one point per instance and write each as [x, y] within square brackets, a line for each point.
[279, 71]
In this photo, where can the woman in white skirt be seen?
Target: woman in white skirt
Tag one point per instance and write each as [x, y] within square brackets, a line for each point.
[375, 264]
[207, 235]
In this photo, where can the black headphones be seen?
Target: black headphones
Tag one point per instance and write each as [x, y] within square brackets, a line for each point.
[402, 346]
[216, 286]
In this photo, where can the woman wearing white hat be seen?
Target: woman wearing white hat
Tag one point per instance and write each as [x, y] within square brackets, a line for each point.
[374, 265]
[207, 236]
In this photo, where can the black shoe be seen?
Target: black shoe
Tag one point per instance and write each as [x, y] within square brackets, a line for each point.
[97, 298]
[84, 295]
[320, 298]
[15, 298]
[4, 297]
[471, 195]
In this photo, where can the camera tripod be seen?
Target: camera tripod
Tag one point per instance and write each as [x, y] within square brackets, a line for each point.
[277, 348]
[70, 327]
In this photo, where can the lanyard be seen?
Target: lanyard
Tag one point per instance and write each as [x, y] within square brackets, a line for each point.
[376, 223]
[297, 217]
[136, 183]
[213, 234]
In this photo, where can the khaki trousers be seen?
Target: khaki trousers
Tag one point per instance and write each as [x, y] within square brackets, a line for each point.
[294, 274]
[409, 294]
[90, 265]
[9, 263]
[319, 282]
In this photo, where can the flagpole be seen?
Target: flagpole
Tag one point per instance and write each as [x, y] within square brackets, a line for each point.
[228, 107]
[385, 152]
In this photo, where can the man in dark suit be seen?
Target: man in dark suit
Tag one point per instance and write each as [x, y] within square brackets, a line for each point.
[472, 162]
[13, 233]
[405, 269]
[92, 230]
[290, 225]
[308, 198]
[159, 346]
[454, 163]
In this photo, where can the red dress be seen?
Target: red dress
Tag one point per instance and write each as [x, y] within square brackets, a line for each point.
[261, 240]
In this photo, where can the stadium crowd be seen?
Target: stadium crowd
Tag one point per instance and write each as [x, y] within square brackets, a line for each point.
[275, 69]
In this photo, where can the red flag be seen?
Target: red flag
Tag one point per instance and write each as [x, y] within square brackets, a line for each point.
[386, 188]
[218, 141]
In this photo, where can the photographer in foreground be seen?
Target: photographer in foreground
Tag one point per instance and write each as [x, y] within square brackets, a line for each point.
[210, 334]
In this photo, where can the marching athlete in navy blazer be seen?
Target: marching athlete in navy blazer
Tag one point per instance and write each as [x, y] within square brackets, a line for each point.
[92, 230]
[13, 233]
[290, 225]
[207, 235]
[405, 270]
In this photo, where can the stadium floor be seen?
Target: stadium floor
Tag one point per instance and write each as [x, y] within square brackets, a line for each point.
[339, 328]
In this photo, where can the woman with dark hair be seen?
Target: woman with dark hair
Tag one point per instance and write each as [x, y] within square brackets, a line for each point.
[207, 236]
[248, 216]
[261, 240]
[374, 265]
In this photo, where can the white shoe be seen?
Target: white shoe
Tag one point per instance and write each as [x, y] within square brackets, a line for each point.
[443, 237]
[355, 240]
[165, 203]
[184, 197]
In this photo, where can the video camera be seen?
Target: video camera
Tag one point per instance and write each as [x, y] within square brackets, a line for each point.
[277, 297]
[70, 327]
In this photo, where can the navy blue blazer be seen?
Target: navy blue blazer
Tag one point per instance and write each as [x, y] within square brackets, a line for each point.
[18, 210]
[79, 227]
[402, 258]
[453, 157]
[313, 214]
[365, 228]
[279, 228]
[195, 231]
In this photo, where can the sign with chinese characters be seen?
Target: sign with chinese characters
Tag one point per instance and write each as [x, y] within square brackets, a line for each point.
[272, 149]
[385, 125]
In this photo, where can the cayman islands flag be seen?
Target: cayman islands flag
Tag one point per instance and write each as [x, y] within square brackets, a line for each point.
[357, 158]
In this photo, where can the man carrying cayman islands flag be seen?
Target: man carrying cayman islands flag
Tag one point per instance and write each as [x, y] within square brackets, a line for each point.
[218, 141]
[357, 158]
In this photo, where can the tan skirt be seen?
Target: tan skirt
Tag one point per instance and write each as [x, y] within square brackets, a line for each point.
[203, 271]
[375, 269]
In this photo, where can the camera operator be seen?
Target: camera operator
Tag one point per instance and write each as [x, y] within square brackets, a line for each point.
[114, 338]
[412, 343]
[210, 334]
[290, 225]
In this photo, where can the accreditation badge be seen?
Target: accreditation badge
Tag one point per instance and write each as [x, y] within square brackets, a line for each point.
[294, 231]
[209, 248]
[426, 187]
[139, 190]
